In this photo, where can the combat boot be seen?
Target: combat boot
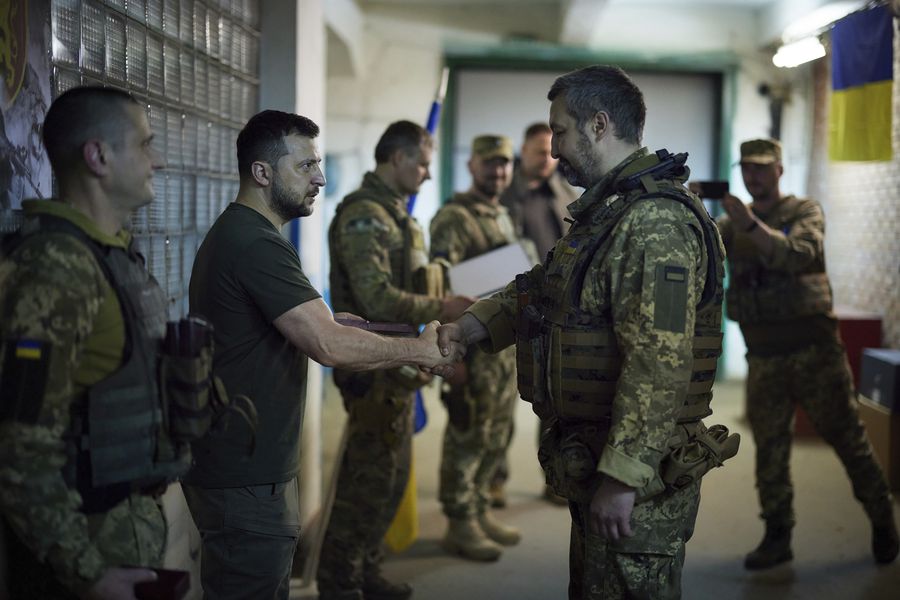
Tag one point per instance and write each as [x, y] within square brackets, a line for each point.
[497, 531]
[774, 549]
[466, 539]
[377, 587]
[885, 542]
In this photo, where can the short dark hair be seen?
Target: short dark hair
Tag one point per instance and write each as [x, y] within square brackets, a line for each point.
[262, 138]
[538, 128]
[603, 88]
[401, 135]
[80, 114]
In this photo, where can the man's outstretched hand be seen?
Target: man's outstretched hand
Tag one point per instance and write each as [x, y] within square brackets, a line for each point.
[438, 358]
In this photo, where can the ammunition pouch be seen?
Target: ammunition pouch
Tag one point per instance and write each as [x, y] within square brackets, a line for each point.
[196, 402]
[380, 414]
[697, 453]
[431, 279]
[569, 457]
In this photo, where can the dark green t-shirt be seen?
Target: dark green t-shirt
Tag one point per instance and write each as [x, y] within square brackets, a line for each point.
[245, 276]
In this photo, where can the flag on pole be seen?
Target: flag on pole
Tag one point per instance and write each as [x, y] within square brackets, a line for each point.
[404, 529]
[862, 70]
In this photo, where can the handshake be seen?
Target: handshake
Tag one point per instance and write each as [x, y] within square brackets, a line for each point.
[445, 341]
[437, 350]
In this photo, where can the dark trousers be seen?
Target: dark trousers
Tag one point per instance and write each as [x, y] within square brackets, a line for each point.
[248, 537]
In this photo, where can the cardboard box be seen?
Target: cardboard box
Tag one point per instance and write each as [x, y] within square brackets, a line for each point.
[880, 377]
[883, 428]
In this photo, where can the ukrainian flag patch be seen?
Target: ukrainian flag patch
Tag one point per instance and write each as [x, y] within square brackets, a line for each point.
[29, 349]
[572, 247]
[23, 378]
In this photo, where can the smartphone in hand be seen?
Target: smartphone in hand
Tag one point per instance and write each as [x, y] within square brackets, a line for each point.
[710, 190]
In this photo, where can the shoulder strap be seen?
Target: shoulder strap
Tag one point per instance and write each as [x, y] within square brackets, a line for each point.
[714, 263]
[474, 227]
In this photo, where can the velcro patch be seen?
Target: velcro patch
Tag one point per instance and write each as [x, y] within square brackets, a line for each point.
[670, 304]
[23, 379]
[365, 225]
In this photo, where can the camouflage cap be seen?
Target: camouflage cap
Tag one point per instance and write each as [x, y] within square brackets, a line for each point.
[492, 146]
[761, 152]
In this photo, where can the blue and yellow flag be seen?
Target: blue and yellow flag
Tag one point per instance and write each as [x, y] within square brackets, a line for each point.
[862, 69]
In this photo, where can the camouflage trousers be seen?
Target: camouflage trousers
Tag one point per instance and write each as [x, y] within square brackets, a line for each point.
[817, 378]
[479, 431]
[374, 471]
[131, 533]
[645, 566]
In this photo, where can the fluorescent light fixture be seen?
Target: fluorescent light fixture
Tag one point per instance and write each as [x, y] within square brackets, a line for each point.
[797, 53]
[817, 20]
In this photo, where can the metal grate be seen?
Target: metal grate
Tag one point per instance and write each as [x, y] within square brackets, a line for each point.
[194, 64]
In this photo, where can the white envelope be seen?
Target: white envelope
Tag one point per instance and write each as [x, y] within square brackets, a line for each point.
[483, 275]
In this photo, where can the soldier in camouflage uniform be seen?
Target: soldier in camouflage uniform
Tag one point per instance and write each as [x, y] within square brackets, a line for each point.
[481, 397]
[74, 296]
[377, 257]
[537, 200]
[781, 297]
[617, 338]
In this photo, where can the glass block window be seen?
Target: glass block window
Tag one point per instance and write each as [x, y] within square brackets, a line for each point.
[194, 65]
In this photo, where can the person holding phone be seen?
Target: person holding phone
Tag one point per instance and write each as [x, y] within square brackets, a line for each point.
[781, 297]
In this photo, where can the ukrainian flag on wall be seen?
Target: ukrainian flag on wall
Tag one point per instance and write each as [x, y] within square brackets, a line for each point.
[862, 72]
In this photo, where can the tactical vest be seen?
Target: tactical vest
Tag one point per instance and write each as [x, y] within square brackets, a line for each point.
[487, 234]
[572, 367]
[117, 441]
[759, 294]
[405, 260]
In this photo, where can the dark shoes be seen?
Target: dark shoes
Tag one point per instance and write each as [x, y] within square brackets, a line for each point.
[377, 587]
[885, 542]
[774, 549]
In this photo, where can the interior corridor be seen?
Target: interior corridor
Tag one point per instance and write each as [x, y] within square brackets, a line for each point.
[831, 539]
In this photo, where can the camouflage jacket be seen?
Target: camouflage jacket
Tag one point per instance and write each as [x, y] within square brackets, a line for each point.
[791, 283]
[53, 290]
[375, 248]
[454, 239]
[620, 286]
